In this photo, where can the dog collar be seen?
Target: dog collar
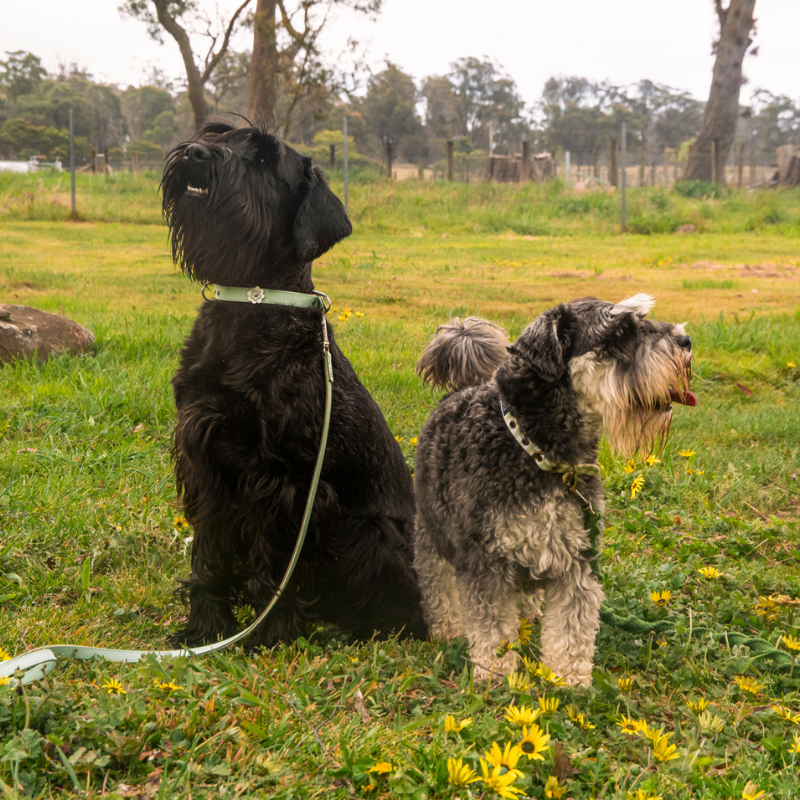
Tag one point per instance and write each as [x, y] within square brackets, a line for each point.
[537, 453]
[257, 296]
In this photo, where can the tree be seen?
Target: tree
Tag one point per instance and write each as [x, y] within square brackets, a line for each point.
[141, 105]
[21, 73]
[178, 18]
[718, 127]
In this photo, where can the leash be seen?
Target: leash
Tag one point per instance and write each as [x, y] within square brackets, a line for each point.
[781, 660]
[36, 664]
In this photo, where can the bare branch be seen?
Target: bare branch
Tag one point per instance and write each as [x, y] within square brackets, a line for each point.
[223, 48]
[722, 13]
[287, 23]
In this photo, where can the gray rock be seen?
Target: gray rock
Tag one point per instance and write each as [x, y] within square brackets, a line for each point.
[27, 333]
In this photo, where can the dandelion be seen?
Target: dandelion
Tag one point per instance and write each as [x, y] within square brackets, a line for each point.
[521, 715]
[381, 768]
[359, 314]
[630, 466]
[791, 642]
[547, 675]
[518, 682]
[709, 722]
[451, 726]
[749, 685]
[636, 486]
[710, 573]
[4, 681]
[661, 598]
[113, 686]
[549, 705]
[525, 631]
[4, 655]
[794, 747]
[650, 460]
[751, 792]
[686, 453]
[785, 713]
[791, 364]
[765, 608]
[578, 718]
[498, 781]
[166, 687]
[552, 789]
[503, 648]
[642, 794]
[699, 706]
[625, 683]
[630, 727]
[507, 757]
[459, 773]
[662, 749]
[534, 742]
[413, 441]
[399, 439]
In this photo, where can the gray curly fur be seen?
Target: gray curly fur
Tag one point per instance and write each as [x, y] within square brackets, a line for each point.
[463, 353]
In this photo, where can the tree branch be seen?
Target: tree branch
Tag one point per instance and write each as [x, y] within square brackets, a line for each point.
[722, 13]
[287, 23]
[220, 54]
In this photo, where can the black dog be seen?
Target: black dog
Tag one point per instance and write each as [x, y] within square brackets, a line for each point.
[246, 210]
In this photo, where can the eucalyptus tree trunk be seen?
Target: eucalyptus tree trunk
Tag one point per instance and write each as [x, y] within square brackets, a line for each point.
[718, 127]
[262, 98]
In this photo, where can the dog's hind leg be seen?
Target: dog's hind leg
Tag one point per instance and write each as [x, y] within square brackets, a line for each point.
[437, 583]
[491, 617]
[571, 621]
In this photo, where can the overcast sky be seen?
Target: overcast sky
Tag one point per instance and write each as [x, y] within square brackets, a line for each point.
[667, 41]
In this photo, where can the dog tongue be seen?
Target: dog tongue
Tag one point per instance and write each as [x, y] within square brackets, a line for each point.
[686, 398]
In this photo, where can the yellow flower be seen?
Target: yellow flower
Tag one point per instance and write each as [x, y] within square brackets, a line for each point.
[630, 466]
[791, 642]
[507, 757]
[548, 705]
[699, 707]
[503, 648]
[166, 687]
[452, 726]
[686, 453]
[751, 792]
[650, 460]
[578, 718]
[521, 715]
[642, 794]
[765, 608]
[625, 684]
[791, 364]
[552, 789]
[525, 631]
[381, 768]
[518, 682]
[534, 742]
[180, 522]
[498, 781]
[708, 722]
[399, 439]
[636, 486]
[794, 747]
[4, 681]
[712, 573]
[661, 598]
[459, 773]
[4, 655]
[113, 686]
[746, 684]
[359, 314]
[785, 713]
[413, 441]
[630, 727]
[547, 675]
[662, 749]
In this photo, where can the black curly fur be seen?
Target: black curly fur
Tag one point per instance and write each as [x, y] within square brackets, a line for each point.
[250, 395]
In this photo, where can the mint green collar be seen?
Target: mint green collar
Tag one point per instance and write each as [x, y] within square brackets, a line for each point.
[257, 296]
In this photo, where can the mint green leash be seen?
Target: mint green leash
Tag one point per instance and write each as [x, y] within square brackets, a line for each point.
[36, 664]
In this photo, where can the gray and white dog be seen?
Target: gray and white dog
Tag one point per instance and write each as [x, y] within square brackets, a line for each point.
[494, 524]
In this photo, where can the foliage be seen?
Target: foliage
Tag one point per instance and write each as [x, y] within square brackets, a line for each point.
[20, 140]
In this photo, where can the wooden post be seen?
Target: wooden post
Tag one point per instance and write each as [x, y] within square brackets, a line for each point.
[466, 168]
[333, 157]
[713, 161]
[389, 142]
[450, 147]
[623, 165]
[596, 163]
[135, 163]
[741, 165]
[421, 171]
[613, 166]
[752, 166]
[526, 161]
[642, 157]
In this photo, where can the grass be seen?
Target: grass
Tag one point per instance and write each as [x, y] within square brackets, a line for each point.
[93, 542]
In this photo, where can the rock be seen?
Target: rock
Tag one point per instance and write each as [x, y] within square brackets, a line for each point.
[27, 332]
[686, 229]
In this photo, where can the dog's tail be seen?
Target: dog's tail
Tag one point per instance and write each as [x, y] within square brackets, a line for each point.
[463, 354]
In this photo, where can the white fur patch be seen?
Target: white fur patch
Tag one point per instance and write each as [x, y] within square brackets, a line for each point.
[639, 304]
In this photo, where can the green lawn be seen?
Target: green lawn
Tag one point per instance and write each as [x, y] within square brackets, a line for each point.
[92, 541]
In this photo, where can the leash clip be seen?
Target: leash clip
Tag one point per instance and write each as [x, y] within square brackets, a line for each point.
[326, 301]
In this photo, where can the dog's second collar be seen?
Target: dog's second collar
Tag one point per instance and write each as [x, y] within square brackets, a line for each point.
[538, 454]
[257, 296]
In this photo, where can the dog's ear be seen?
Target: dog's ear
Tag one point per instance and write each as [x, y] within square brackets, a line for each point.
[546, 344]
[321, 221]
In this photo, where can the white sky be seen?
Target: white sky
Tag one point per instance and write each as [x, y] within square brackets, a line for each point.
[668, 41]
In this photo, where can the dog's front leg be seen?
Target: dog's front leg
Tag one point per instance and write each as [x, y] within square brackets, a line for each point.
[571, 620]
[489, 607]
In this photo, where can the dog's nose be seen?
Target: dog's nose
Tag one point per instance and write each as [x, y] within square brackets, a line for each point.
[684, 341]
[196, 152]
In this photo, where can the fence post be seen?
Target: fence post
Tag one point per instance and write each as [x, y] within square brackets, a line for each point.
[421, 171]
[344, 159]
[566, 168]
[389, 143]
[752, 166]
[642, 158]
[333, 157]
[741, 164]
[450, 146]
[526, 161]
[622, 166]
[713, 161]
[72, 165]
[613, 170]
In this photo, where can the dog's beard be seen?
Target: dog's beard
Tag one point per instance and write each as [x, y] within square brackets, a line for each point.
[634, 406]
